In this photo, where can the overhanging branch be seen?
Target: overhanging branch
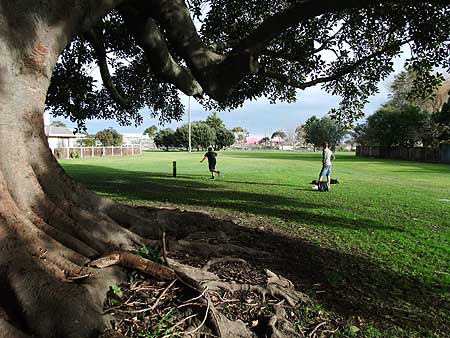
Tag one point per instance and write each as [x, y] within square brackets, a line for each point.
[349, 68]
[150, 38]
[96, 42]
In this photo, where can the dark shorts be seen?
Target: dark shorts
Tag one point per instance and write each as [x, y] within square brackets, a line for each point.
[212, 165]
[326, 170]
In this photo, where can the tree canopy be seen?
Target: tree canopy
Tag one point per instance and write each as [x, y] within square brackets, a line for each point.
[109, 137]
[243, 50]
[325, 130]
[151, 131]
[165, 138]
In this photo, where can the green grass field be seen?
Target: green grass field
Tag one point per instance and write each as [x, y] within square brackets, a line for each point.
[388, 221]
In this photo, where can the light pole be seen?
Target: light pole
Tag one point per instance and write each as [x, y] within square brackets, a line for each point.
[189, 123]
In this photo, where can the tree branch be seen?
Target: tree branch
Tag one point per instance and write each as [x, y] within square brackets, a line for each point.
[149, 37]
[299, 12]
[337, 74]
[327, 41]
[96, 42]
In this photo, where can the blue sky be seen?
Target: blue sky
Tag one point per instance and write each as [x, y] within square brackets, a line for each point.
[260, 117]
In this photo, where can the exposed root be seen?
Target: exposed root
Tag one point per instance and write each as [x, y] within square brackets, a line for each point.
[129, 260]
[284, 329]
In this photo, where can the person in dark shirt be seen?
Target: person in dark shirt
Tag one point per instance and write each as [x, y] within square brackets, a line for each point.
[211, 156]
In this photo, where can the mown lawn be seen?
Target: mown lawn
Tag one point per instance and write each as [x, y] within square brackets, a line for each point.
[391, 217]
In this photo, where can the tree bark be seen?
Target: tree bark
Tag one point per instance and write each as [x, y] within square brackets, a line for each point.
[50, 227]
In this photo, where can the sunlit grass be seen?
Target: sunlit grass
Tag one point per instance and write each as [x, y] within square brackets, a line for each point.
[394, 213]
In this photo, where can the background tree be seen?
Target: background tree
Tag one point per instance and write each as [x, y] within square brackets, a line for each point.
[403, 92]
[109, 137]
[306, 128]
[441, 120]
[394, 126]
[58, 124]
[300, 135]
[89, 141]
[278, 137]
[241, 135]
[291, 137]
[151, 131]
[325, 130]
[44, 210]
[264, 141]
[165, 138]
[224, 138]
[214, 121]
[182, 137]
[203, 135]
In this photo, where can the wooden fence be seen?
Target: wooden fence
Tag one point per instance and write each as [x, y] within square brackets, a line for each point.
[80, 152]
[419, 154]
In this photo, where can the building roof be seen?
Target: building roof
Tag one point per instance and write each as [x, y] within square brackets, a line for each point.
[52, 131]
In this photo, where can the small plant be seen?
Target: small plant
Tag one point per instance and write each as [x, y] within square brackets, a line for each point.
[74, 154]
[115, 295]
[150, 253]
[163, 328]
[134, 275]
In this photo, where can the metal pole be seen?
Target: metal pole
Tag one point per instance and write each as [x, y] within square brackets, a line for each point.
[189, 122]
[174, 168]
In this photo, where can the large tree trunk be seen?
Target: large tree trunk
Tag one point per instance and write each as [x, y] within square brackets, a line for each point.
[49, 225]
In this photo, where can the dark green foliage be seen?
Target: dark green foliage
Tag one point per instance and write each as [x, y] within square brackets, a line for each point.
[224, 138]
[165, 138]
[325, 130]
[352, 34]
[307, 126]
[151, 131]
[441, 122]
[265, 141]
[279, 133]
[150, 253]
[182, 136]
[390, 126]
[214, 121]
[74, 94]
[109, 137]
[362, 42]
[202, 135]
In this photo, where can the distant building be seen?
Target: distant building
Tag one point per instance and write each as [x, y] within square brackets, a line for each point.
[135, 138]
[61, 137]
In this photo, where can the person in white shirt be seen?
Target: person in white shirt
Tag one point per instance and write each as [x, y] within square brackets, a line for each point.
[327, 157]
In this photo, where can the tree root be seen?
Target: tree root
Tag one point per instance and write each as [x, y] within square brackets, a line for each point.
[201, 280]
[129, 260]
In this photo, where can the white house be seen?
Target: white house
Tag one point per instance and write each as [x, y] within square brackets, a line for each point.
[60, 137]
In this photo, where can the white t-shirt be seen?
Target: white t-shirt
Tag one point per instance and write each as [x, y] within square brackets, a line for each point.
[327, 156]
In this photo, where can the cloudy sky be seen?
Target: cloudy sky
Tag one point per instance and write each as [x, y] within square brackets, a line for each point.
[259, 117]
